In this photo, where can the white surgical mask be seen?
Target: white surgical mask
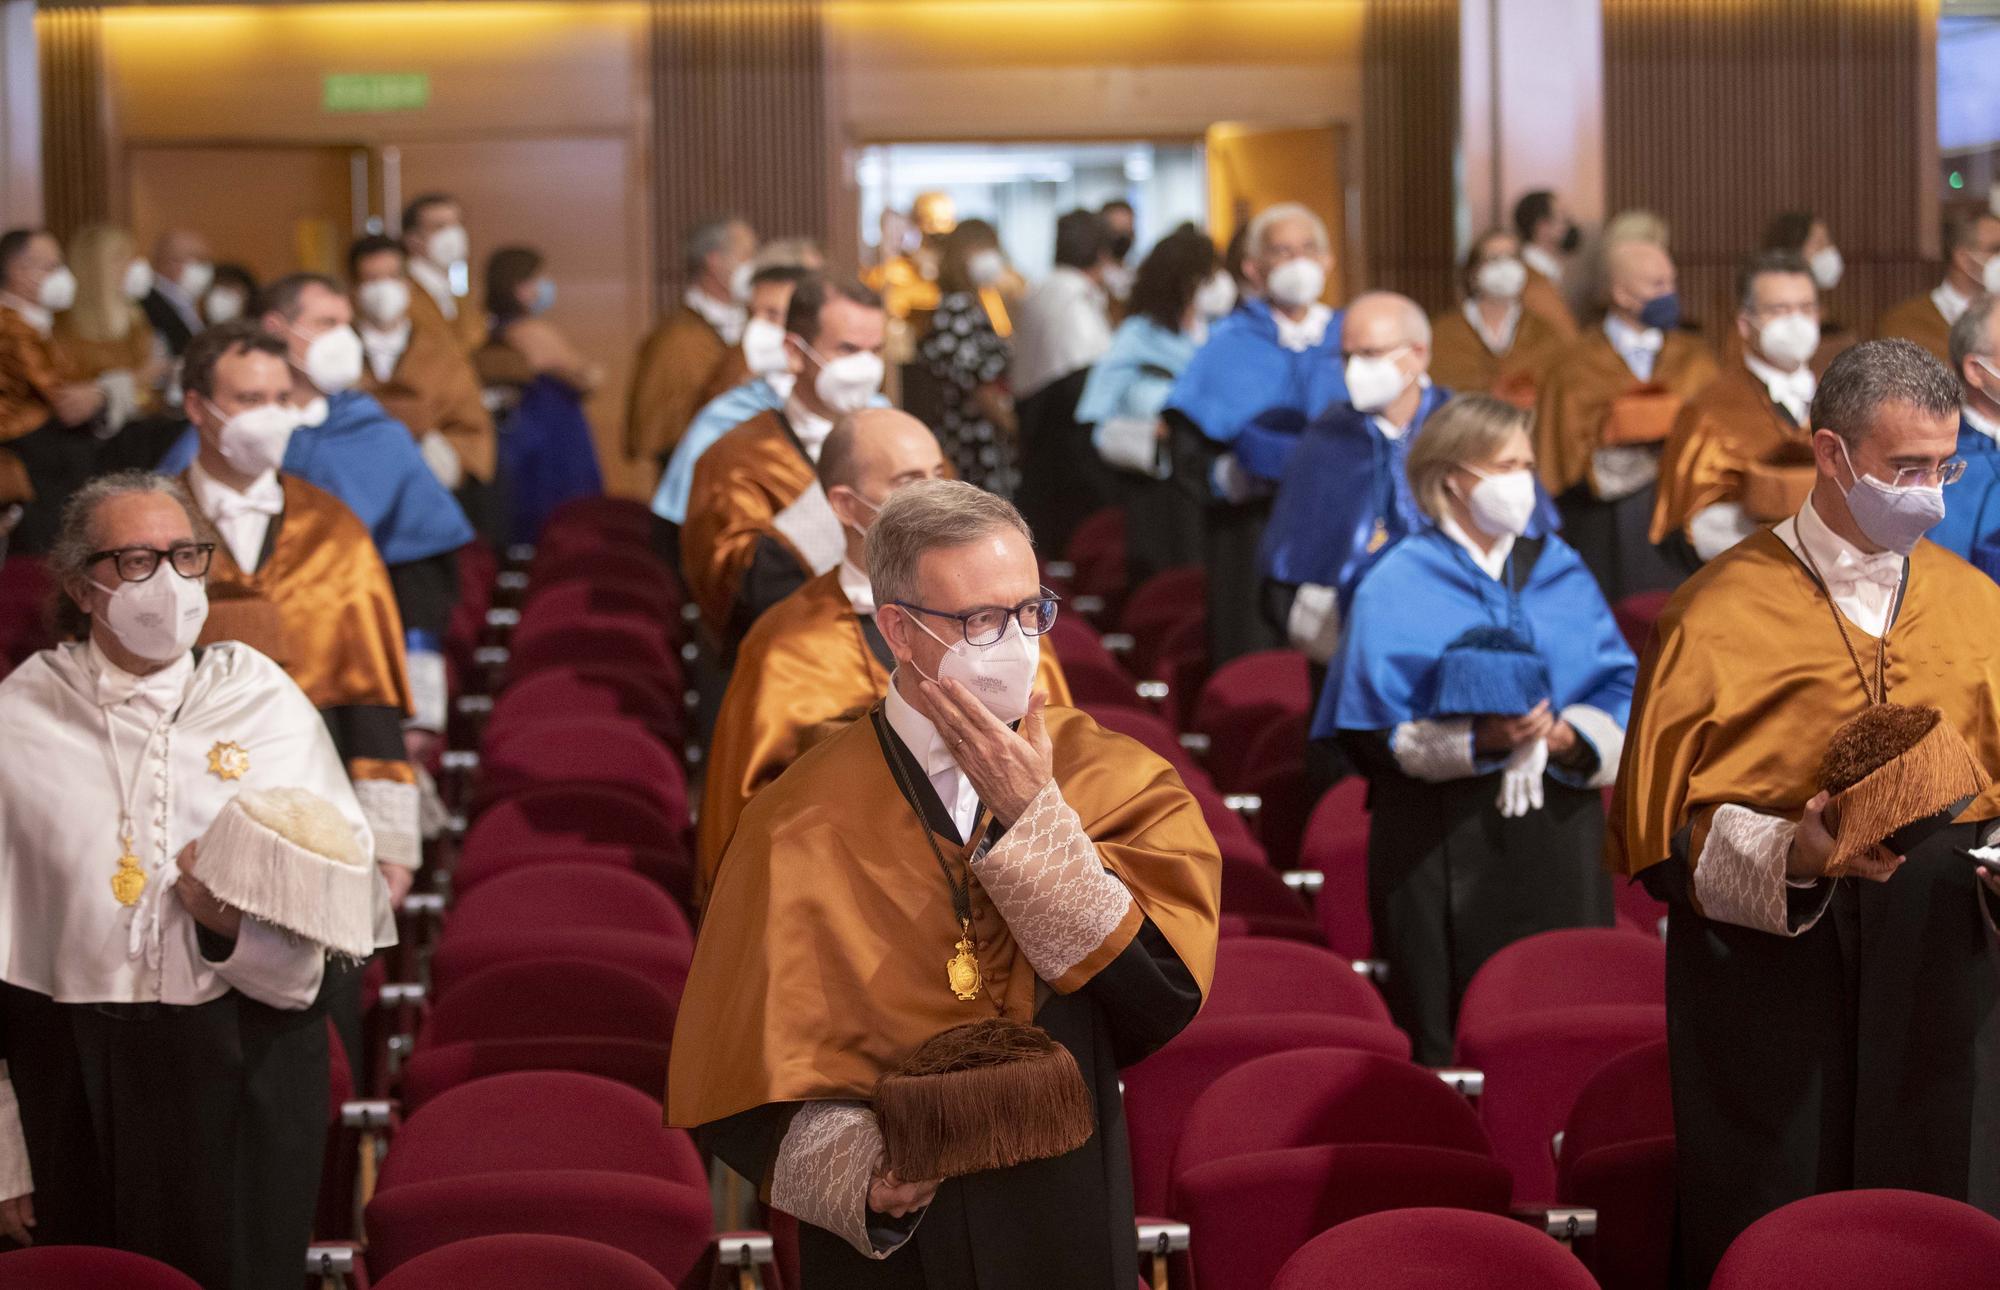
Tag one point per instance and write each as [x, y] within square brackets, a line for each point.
[333, 360]
[448, 246]
[1827, 266]
[1296, 283]
[196, 278]
[1502, 503]
[384, 301]
[157, 619]
[1374, 383]
[848, 383]
[739, 282]
[1502, 279]
[138, 283]
[1789, 339]
[764, 347]
[254, 440]
[1989, 277]
[222, 306]
[1000, 675]
[1216, 297]
[1892, 518]
[985, 268]
[58, 291]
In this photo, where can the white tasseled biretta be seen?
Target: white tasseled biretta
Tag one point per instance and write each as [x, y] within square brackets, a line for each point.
[285, 855]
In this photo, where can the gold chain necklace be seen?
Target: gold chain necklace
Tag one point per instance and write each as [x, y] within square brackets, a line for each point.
[961, 971]
[1879, 691]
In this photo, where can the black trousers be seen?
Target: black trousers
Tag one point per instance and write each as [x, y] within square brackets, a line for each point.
[58, 460]
[192, 1135]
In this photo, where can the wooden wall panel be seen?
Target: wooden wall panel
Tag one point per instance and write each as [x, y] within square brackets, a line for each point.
[740, 119]
[1720, 114]
[76, 181]
[1410, 144]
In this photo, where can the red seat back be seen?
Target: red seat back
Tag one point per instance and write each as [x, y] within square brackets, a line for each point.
[668, 868]
[86, 1267]
[549, 999]
[1865, 1240]
[437, 1068]
[1576, 967]
[601, 691]
[1244, 696]
[614, 752]
[619, 642]
[1636, 615]
[1164, 601]
[661, 959]
[1160, 1089]
[561, 895]
[579, 594]
[1336, 844]
[1257, 976]
[1256, 902]
[1420, 1249]
[515, 1262]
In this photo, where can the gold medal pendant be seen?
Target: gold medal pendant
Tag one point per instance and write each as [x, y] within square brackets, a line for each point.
[129, 883]
[962, 972]
[1379, 538]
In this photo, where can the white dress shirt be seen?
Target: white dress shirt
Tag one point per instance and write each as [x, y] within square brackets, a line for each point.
[1863, 585]
[1496, 342]
[384, 348]
[1638, 346]
[243, 519]
[1061, 327]
[1950, 302]
[1390, 430]
[810, 427]
[1543, 262]
[727, 317]
[860, 592]
[1493, 563]
[436, 284]
[1793, 391]
[1306, 332]
[960, 799]
[35, 316]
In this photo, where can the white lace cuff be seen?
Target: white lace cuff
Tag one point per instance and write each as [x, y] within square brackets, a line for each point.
[1623, 469]
[390, 807]
[427, 689]
[1069, 915]
[1314, 622]
[825, 1166]
[1740, 875]
[1434, 751]
[1714, 529]
[1606, 736]
[16, 1179]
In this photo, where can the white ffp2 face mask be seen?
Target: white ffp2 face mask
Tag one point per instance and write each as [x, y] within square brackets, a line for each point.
[383, 301]
[1215, 297]
[448, 246]
[1000, 675]
[1374, 383]
[1789, 339]
[254, 440]
[58, 291]
[1827, 267]
[195, 278]
[1296, 283]
[1502, 279]
[158, 619]
[848, 383]
[764, 347]
[138, 282]
[1503, 503]
[333, 360]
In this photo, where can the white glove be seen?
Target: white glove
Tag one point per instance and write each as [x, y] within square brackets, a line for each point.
[121, 401]
[1313, 626]
[442, 458]
[1129, 443]
[1231, 482]
[1521, 782]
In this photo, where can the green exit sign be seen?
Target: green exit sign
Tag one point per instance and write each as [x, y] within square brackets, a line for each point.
[375, 91]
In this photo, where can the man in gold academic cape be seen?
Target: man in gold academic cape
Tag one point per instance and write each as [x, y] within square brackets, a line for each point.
[1068, 865]
[1826, 1032]
[757, 523]
[1752, 417]
[1971, 268]
[679, 367]
[1604, 410]
[817, 660]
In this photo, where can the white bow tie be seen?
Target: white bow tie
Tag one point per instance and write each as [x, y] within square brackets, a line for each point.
[1850, 571]
[161, 690]
[1788, 387]
[258, 501]
[1649, 341]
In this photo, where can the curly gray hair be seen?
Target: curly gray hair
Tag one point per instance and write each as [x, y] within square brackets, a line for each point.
[75, 540]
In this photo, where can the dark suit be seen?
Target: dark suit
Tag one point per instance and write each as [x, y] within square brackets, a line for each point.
[170, 324]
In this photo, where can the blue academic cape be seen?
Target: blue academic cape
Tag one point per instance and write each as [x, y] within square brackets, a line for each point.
[1247, 391]
[1425, 592]
[1136, 376]
[369, 460]
[717, 418]
[1972, 506]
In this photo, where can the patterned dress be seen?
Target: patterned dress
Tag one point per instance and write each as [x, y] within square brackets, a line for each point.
[963, 352]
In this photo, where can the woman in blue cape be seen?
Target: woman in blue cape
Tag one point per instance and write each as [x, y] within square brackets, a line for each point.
[1483, 687]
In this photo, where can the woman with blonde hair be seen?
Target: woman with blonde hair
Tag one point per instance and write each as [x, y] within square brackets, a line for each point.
[1483, 688]
[104, 337]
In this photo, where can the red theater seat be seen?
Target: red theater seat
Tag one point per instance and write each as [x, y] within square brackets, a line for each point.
[1424, 1249]
[1865, 1240]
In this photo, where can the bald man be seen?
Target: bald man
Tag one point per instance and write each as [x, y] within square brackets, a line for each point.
[1605, 409]
[182, 272]
[1971, 269]
[1344, 495]
[815, 660]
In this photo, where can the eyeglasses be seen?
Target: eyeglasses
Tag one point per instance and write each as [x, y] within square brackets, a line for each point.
[986, 625]
[1938, 476]
[138, 563]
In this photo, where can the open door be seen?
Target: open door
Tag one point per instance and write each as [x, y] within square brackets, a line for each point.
[275, 209]
[1251, 167]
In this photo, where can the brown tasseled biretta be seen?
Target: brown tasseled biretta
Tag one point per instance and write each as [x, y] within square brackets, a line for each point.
[1890, 767]
[985, 1095]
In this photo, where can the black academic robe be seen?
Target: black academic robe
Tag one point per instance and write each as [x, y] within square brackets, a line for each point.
[1065, 1222]
[1232, 539]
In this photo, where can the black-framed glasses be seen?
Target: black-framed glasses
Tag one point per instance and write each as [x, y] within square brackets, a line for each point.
[987, 624]
[138, 563]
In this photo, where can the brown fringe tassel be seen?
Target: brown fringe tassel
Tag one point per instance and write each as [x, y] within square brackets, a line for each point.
[985, 1095]
[1906, 785]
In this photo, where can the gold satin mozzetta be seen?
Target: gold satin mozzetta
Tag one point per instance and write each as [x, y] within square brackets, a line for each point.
[1917, 319]
[1718, 434]
[321, 606]
[466, 332]
[740, 484]
[803, 671]
[1461, 362]
[1746, 681]
[1576, 399]
[434, 387]
[817, 967]
[674, 376]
